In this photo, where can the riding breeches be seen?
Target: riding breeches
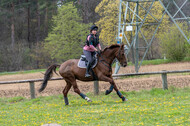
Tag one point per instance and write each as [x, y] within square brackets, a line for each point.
[89, 55]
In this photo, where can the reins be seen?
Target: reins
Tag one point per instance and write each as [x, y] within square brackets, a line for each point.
[103, 61]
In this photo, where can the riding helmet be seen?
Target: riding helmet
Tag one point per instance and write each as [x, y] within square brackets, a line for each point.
[93, 27]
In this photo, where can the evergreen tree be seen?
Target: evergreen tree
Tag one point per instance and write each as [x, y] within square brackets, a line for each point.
[68, 34]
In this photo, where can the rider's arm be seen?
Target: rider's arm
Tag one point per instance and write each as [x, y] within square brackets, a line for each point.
[99, 46]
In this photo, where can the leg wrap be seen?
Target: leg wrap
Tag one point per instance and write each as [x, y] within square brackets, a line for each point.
[82, 95]
[124, 99]
[119, 94]
[110, 90]
[66, 100]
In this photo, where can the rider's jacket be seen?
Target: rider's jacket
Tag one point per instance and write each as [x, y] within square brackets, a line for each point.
[91, 42]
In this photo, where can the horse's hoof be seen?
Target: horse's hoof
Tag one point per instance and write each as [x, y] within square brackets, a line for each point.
[124, 99]
[107, 92]
[89, 100]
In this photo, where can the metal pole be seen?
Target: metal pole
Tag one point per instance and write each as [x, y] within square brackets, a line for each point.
[117, 67]
[119, 23]
[133, 41]
[188, 40]
[152, 38]
[137, 41]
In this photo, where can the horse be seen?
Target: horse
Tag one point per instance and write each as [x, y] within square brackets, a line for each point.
[103, 71]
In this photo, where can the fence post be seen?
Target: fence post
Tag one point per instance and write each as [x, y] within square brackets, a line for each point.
[96, 87]
[164, 81]
[32, 90]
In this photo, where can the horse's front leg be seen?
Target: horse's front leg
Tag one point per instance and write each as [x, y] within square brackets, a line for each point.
[113, 86]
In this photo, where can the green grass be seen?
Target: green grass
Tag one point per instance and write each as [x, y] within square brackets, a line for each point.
[22, 72]
[155, 107]
[160, 61]
[156, 62]
[152, 62]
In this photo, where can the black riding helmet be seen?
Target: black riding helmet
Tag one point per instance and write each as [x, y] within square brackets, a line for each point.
[93, 27]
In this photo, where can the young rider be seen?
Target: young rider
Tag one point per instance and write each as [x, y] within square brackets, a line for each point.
[89, 49]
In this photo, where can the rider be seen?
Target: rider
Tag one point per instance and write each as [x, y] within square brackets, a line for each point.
[89, 49]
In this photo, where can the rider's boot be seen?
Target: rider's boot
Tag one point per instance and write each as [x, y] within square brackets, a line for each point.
[87, 70]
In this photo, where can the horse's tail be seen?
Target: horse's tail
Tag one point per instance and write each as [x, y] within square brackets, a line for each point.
[47, 76]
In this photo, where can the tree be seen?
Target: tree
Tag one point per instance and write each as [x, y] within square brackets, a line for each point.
[173, 44]
[68, 34]
[108, 11]
[87, 10]
[11, 5]
[20, 25]
[28, 22]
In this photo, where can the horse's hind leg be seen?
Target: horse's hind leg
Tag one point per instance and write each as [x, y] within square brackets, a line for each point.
[110, 89]
[65, 92]
[76, 90]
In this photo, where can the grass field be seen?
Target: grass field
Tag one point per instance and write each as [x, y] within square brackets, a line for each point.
[155, 107]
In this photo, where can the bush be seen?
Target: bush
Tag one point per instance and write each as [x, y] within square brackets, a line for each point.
[173, 43]
[14, 59]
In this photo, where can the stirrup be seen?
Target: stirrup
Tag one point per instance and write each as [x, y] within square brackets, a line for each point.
[87, 75]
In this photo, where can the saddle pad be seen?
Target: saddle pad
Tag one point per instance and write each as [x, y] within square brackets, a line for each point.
[82, 64]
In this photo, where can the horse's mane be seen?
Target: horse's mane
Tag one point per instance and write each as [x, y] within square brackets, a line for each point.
[111, 47]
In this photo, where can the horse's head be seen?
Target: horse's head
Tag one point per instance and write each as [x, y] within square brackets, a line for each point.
[114, 51]
[120, 55]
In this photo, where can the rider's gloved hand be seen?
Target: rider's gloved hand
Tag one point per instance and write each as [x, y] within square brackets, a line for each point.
[98, 52]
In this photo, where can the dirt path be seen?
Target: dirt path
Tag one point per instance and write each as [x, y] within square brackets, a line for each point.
[128, 84]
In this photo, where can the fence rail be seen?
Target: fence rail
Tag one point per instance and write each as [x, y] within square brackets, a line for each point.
[96, 85]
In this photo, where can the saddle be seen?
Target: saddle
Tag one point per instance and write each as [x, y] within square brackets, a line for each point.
[83, 62]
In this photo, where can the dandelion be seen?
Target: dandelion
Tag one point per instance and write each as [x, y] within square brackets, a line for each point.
[84, 122]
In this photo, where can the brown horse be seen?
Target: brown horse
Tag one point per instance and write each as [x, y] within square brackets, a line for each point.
[70, 71]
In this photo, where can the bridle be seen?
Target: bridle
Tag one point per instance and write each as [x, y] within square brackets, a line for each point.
[108, 65]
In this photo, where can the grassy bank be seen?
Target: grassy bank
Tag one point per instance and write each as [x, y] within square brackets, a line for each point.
[154, 107]
[22, 72]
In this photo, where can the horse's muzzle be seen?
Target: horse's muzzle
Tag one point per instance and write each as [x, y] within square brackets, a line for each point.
[124, 64]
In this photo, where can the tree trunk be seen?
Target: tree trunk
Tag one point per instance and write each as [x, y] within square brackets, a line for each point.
[46, 20]
[88, 10]
[38, 32]
[12, 26]
[38, 19]
[28, 22]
